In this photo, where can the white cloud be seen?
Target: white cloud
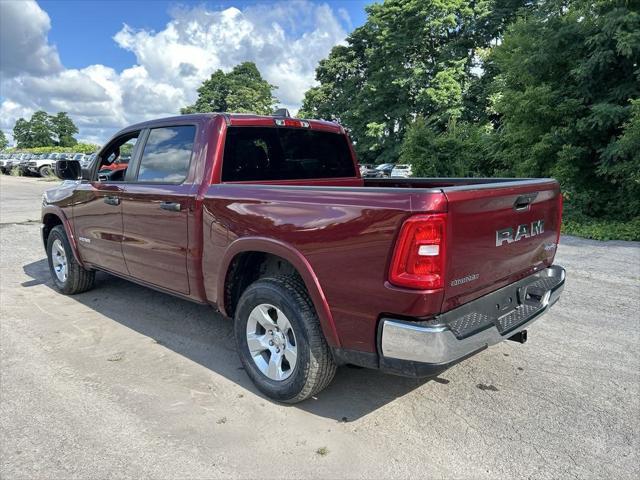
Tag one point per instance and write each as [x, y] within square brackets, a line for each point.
[286, 40]
[23, 40]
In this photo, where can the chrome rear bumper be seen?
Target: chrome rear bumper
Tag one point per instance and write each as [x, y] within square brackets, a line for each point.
[474, 326]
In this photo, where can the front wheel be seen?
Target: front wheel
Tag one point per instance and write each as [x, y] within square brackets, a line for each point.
[280, 341]
[67, 274]
[45, 171]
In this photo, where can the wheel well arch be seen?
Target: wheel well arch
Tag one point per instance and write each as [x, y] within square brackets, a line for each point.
[247, 267]
[250, 259]
[51, 218]
[49, 221]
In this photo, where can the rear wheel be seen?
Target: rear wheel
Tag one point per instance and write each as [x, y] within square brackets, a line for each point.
[280, 341]
[67, 274]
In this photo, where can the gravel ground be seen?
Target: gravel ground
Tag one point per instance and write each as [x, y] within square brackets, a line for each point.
[123, 381]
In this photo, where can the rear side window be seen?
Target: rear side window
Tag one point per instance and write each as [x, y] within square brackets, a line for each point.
[270, 153]
[167, 154]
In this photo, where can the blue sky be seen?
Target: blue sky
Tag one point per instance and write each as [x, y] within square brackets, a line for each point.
[83, 30]
[111, 63]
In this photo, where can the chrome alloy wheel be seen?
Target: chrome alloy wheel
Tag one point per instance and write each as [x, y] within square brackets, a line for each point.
[272, 342]
[59, 260]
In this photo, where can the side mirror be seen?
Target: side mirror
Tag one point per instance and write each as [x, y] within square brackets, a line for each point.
[68, 170]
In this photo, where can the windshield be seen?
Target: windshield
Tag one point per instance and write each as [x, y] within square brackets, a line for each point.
[270, 153]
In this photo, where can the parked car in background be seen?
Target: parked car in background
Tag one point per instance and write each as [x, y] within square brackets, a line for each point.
[369, 171]
[385, 169]
[4, 158]
[17, 160]
[42, 165]
[87, 163]
[9, 162]
[22, 165]
[218, 209]
[401, 171]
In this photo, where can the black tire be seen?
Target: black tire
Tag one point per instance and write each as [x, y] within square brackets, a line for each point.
[45, 171]
[315, 366]
[78, 279]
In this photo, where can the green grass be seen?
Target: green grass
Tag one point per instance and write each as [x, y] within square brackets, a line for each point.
[598, 229]
[322, 451]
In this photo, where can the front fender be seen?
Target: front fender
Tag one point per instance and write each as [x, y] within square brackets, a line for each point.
[300, 263]
[59, 213]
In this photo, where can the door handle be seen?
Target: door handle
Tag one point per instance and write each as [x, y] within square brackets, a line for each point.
[112, 200]
[171, 206]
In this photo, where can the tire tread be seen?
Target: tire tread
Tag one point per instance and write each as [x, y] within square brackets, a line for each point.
[79, 279]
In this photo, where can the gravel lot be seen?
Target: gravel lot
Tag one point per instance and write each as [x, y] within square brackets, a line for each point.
[123, 381]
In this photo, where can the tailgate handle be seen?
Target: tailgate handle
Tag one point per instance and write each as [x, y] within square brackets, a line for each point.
[523, 202]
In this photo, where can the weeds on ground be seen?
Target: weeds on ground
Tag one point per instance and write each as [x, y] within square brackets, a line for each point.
[598, 229]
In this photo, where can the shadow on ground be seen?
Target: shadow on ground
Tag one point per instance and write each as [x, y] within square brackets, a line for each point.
[200, 334]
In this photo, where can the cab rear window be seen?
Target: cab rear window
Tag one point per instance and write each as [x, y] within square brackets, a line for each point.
[276, 153]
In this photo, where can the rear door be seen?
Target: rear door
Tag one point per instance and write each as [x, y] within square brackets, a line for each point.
[156, 206]
[497, 234]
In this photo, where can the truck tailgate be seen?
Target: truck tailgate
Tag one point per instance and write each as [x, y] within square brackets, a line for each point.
[498, 234]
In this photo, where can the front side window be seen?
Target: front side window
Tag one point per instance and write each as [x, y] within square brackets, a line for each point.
[167, 154]
[270, 153]
[116, 158]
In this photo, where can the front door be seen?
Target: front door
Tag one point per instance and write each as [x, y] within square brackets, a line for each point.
[155, 209]
[97, 213]
[97, 220]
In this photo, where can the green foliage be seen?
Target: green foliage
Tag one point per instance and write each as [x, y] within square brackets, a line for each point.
[64, 129]
[412, 58]
[241, 90]
[566, 96]
[599, 229]
[77, 148]
[44, 130]
[3, 140]
[459, 151]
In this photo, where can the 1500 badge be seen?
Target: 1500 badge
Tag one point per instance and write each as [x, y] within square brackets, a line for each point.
[522, 231]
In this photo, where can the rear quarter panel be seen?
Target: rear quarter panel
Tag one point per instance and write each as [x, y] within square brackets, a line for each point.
[344, 235]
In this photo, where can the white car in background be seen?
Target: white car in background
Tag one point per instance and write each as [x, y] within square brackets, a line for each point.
[401, 171]
[43, 164]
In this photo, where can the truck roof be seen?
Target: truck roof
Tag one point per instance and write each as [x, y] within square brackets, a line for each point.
[238, 119]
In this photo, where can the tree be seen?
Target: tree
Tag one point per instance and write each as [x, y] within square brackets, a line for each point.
[566, 98]
[22, 133]
[412, 58]
[459, 151]
[3, 140]
[40, 126]
[64, 129]
[44, 130]
[241, 90]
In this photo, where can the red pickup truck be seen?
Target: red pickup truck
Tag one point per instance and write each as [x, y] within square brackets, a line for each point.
[268, 219]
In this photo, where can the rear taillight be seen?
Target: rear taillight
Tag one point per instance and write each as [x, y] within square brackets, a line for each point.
[418, 259]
